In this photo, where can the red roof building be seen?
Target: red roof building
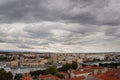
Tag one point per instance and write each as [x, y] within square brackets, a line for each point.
[49, 76]
[77, 78]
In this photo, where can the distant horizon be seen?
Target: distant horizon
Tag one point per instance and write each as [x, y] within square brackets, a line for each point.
[56, 52]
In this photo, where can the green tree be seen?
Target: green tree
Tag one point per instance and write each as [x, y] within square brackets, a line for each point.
[37, 73]
[51, 70]
[2, 74]
[66, 67]
[74, 65]
[18, 77]
[2, 58]
[9, 75]
[5, 75]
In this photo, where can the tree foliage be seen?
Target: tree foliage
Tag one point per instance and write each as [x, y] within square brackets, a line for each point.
[37, 73]
[51, 70]
[112, 65]
[74, 65]
[5, 75]
[18, 77]
[2, 58]
[66, 67]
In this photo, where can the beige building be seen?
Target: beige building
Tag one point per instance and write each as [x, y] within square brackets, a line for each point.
[14, 63]
[77, 73]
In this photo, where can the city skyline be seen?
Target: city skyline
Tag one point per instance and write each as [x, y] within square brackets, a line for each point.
[60, 25]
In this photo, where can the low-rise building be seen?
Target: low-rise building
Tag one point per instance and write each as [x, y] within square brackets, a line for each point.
[77, 73]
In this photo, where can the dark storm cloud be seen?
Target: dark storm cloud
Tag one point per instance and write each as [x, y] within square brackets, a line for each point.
[16, 10]
[77, 11]
[24, 11]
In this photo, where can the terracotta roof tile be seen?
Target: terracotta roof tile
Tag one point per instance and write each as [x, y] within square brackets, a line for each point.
[49, 76]
[77, 78]
[81, 72]
[63, 73]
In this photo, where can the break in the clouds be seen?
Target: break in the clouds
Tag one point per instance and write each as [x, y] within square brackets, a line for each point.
[60, 25]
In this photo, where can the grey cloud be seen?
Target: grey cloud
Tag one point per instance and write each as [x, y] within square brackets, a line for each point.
[84, 18]
[37, 31]
[77, 35]
[2, 40]
[113, 31]
[68, 36]
[76, 11]
[47, 35]
[25, 46]
[57, 24]
[24, 11]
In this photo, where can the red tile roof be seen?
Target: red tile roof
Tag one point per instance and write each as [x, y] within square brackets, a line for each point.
[77, 78]
[63, 73]
[91, 67]
[108, 75]
[105, 77]
[49, 76]
[81, 72]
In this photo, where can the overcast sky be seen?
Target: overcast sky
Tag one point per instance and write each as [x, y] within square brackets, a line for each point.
[60, 25]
